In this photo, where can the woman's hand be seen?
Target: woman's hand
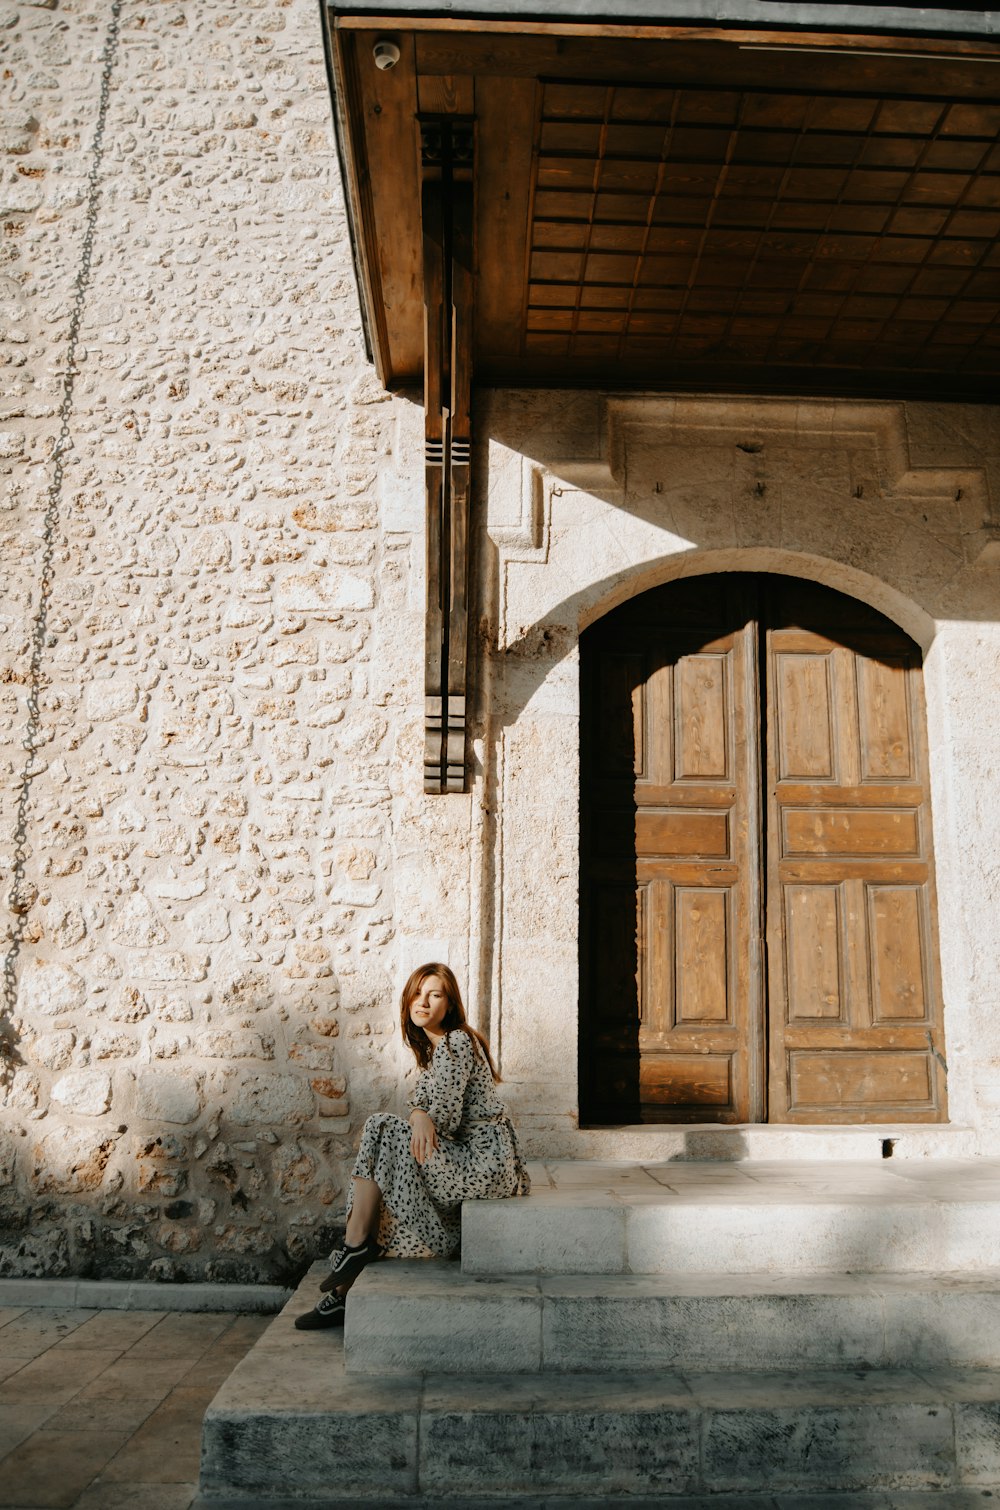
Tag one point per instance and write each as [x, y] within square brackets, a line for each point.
[425, 1139]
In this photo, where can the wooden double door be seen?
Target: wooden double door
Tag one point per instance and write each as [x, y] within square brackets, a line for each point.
[758, 933]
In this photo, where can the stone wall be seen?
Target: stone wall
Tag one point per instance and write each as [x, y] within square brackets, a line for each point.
[226, 824]
[231, 864]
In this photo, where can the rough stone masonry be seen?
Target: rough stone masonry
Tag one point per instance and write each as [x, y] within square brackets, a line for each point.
[231, 865]
[230, 723]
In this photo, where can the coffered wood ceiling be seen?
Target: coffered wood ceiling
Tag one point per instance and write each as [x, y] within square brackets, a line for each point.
[689, 208]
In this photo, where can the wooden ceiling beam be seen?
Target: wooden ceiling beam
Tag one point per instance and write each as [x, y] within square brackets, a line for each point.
[971, 47]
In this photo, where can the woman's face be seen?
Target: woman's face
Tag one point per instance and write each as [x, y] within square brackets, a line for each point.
[429, 1007]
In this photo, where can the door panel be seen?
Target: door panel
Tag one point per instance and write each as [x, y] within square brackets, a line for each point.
[685, 832]
[849, 901]
[702, 963]
[754, 766]
[805, 732]
[695, 1081]
[897, 928]
[885, 735]
[843, 1086]
[702, 716]
[851, 832]
[674, 818]
[815, 951]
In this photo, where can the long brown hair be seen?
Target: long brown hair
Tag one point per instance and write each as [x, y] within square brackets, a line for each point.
[454, 1017]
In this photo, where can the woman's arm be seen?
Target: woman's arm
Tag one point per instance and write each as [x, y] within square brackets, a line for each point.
[450, 1070]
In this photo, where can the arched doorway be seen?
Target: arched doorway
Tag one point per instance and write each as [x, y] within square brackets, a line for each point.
[758, 926]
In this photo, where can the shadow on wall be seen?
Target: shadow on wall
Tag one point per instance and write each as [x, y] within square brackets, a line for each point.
[765, 486]
[725, 1146]
[527, 662]
[19, 894]
[234, 1174]
[176, 1218]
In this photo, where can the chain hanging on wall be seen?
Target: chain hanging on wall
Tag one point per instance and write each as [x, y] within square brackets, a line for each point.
[19, 896]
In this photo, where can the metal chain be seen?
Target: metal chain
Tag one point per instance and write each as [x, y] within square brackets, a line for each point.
[20, 896]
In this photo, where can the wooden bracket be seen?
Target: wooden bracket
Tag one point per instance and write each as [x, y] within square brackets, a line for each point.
[447, 146]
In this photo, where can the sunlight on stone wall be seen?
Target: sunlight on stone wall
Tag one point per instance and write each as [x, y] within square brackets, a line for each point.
[207, 1000]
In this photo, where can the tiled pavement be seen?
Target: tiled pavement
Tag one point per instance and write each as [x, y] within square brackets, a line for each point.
[102, 1410]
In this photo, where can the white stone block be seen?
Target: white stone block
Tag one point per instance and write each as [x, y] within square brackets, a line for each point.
[53, 1050]
[518, 1237]
[601, 1446]
[801, 1237]
[638, 1325]
[977, 1441]
[269, 1097]
[400, 1321]
[109, 699]
[943, 1324]
[69, 1160]
[325, 591]
[87, 1093]
[50, 989]
[842, 1446]
[136, 925]
[165, 1097]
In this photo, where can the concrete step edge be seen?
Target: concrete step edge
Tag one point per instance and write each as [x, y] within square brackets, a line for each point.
[914, 1499]
[419, 1280]
[142, 1295]
[646, 1391]
[416, 1317]
[726, 1235]
[669, 1434]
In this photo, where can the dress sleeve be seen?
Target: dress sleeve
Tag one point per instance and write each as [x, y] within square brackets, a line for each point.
[420, 1096]
[450, 1070]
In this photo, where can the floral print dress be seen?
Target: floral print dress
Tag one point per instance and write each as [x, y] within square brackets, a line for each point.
[477, 1157]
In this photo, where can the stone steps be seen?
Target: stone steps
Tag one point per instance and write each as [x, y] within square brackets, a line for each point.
[291, 1414]
[747, 1218]
[432, 1318]
[733, 1335]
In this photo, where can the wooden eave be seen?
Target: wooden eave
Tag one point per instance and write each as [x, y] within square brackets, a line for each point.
[688, 206]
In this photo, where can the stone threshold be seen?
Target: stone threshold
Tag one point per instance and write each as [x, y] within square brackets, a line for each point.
[904, 1142]
[142, 1295]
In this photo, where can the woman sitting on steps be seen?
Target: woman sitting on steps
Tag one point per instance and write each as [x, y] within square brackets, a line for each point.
[410, 1178]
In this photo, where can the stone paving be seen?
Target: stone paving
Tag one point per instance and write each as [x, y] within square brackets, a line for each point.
[102, 1410]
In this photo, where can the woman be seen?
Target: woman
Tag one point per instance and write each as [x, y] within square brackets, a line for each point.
[410, 1178]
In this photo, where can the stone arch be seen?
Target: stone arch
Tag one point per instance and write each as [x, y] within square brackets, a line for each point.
[904, 611]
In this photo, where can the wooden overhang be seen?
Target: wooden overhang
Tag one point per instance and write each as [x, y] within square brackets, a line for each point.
[718, 195]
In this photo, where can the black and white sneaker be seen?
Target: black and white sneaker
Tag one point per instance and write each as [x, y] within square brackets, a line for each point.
[348, 1262]
[329, 1311]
